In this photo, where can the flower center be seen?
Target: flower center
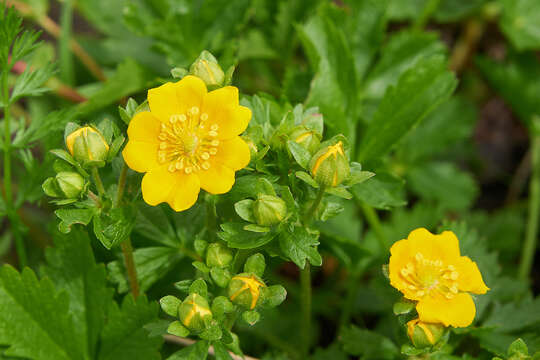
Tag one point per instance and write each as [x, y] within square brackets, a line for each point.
[424, 277]
[187, 142]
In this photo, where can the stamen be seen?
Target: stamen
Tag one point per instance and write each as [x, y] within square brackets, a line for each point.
[214, 127]
[419, 256]
[204, 116]
[454, 275]
[213, 151]
[188, 170]
[172, 168]
[205, 155]
[212, 133]
[215, 142]
[194, 110]
[162, 145]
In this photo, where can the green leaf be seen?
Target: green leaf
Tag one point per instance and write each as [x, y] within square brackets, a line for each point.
[443, 182]
[152, 263]
[419, 91]
[515, 316]
[176, 328]
[238, 238]
[221, 352]
[403, 51]
[197, 351]
[124, 337]
[72, 267]
[244, 209]
[300, 153]
[382, 191]
[70, 217]
[299, 245]
[514, 80]
[333, 88]
[128, 79]
[305, 177]
[454, 10]
[169, 304]
[340, 192]
[518, 347]
[367, 344]
[30, 81]
[35, 319]
[520, 22]
[115, 226]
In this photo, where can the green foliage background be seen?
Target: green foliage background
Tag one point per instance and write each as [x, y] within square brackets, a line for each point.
[409, 83]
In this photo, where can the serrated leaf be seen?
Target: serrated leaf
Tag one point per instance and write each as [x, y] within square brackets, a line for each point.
[124, 336]
[418, 92]
[221, 352]
[152, 263]
[70, 217]
[299, 245]
[382, 191]
[72, 267]
[115, 226]
[35, 319]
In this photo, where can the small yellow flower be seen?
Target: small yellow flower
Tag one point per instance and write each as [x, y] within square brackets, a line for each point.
[429, 269]
[187, 141]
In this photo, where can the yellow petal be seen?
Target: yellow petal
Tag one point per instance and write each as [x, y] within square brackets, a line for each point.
[449, 244]
[401, 254]
[144, 127]
[141, 156]
[470, 278]
[176, 98]
[218, 179]
[233, 153]
[457, 312]
[185, 192]
[177, 188]
[222, 108]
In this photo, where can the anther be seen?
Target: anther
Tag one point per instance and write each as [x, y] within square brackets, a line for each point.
[188, 170]
[163, 145]
[205, 156]
[206, 165]
[454, 289]
[204, 116]
[420, 293]
[179, 164]
[215, 142]
[404, 272]
[454, 275]
[172, 168]
[212, 133]
[214, 127]
[213, 151]
[449, 295]
[194, 110]
[419, 256]
[451, 267]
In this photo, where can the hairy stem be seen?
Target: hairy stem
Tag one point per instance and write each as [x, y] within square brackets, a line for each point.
[466, 44]
[98, 182]
[8, 192]
[127, 249]
[531, 234]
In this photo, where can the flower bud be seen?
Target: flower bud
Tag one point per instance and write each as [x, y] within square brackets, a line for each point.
[244, 289]
[218, 255]
[208, 70]
[87, 145]
[423, 334]
[309, 139]
[330, 166]
[269, 210]
[194, 312]
[66, 184]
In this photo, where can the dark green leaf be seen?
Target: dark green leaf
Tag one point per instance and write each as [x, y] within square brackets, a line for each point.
[382, 191]
[197, 351]
[367, 344]
[419, 91]
[299, 245]
[115, 226]
[238, 238]
[70, 217]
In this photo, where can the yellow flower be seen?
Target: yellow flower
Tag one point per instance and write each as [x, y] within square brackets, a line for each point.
[429, 269]
[187, 141]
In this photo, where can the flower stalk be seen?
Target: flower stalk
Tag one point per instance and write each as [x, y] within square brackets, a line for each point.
[531, 233]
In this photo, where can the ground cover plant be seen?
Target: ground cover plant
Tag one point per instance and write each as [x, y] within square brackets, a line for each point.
[257, 179]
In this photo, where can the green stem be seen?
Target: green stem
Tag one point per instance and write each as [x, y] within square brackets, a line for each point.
[374, 222]
[351, 290]
[98, 182]
[127, 250]
[529, 247]
[8, 192]
[67, 73]
[305, 296]
[121, 185]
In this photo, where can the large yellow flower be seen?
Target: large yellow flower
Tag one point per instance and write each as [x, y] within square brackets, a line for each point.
[429, 269]
[187, 141]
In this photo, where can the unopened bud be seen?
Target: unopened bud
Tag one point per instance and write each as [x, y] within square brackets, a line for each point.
[309, 139]
[66, 184]
[218, 255]
[194, 312]
[330, 166]
[208, 70]
[423, 334]
[269, 210]
[245, 289]
[88, 146]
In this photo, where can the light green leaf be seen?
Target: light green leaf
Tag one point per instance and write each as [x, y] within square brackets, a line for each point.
[70, 217]
[418, 92]
[30, 82]
[299, 245]
[382, 191]
[300, 153]
[520, 22]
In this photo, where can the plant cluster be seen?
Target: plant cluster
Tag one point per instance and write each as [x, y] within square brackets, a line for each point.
[289, 179]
